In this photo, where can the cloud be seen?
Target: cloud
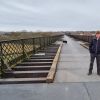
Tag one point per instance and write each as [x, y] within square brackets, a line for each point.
[49, 14]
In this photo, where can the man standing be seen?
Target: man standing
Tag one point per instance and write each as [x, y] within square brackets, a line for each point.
[94, 49]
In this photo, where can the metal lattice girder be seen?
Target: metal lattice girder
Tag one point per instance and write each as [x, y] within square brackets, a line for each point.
[14, 51]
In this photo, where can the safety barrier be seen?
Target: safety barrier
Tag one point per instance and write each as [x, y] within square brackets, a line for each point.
[85, 38]
[13, 52]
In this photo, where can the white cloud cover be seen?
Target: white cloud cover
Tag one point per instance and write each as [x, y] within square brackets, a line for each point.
[49, 15]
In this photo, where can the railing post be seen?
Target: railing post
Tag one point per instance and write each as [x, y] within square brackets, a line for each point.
[50, 40]
[33, 45]
[47, 40]
[40, 42]
[1, 58]
[23, 49]
[44, 41]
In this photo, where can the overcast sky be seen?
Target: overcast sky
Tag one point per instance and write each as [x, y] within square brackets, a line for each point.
[48, 15]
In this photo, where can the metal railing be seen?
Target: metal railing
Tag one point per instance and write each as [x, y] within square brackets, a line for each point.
[84, 38]
[14, 51]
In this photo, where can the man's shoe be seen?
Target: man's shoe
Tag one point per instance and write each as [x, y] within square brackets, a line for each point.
[90, 73]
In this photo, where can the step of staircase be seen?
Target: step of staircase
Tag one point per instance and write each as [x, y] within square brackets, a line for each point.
[42, 57]
[34, 63]
[26, 74]
[52, 47]
[50, 54]
[48, 50]
[22, 80]
[34, 55]
[27, 68]
[38, 60]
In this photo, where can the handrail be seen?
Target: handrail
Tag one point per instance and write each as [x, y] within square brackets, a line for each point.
[13, 52]
[85, 38]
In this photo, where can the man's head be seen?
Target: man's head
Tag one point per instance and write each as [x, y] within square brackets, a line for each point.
[98, 34]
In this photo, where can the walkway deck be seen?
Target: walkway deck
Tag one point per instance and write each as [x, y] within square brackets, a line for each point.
[71, 81]
[74, 63]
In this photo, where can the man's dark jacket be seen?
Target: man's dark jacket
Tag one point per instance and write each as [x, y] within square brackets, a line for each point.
[94, 46]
